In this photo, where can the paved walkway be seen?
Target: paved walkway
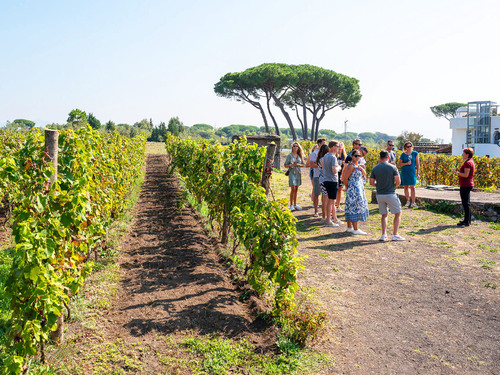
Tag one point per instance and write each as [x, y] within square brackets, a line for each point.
[480, 198]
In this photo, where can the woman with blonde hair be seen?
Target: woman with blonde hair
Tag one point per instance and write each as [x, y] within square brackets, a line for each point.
[341, 156]
[294, 161]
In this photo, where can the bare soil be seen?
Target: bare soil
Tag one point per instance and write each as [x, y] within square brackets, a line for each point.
[429, 305]
[172, 280]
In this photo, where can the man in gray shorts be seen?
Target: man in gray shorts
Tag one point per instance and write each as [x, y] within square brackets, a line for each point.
[385, 177]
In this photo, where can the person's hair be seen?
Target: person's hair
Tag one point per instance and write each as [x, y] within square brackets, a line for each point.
[390, 140]
[322, 152]
[469, 151]
[357, 140]
[384, 154]
[300, 152]
[407, 144]
[320, 140]
[364, 149]
[314, 147]
[341, 150]
[332, 144]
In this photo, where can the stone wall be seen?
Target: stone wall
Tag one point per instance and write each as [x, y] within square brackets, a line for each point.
[263, 141]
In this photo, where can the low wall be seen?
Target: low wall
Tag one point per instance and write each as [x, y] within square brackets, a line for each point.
[486, 208]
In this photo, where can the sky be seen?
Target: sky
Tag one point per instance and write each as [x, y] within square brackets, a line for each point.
[129, 60]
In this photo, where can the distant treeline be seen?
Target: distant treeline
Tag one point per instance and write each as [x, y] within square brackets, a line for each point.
[157, 132]
[225, 134]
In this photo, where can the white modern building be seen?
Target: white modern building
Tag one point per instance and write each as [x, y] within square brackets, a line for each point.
[478, 126]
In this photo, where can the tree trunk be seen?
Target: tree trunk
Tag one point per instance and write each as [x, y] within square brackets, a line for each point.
[266, 125]
[268, 166]
[304, 115]
[287, 116]
[225, 227]
[268, 98]
[52, 151]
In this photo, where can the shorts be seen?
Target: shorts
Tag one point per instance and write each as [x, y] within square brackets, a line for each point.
[316, 186]
[341, 183]
[331, 188]
[390, 201]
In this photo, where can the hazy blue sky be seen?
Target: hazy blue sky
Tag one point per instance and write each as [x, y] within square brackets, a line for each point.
[129, 60]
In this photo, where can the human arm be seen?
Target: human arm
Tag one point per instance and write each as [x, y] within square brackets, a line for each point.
[463, 174]
[401, 163]
[288, 161]
[347, 173]
[397, 180]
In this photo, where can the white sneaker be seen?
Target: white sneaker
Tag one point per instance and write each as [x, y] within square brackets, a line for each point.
[397, 237]
[349, 230]
[331, 224]
[414, 205]
[297, 207]
[407, 204]
[383, 237]
[292, 208]
[359, 231]
[339, 222]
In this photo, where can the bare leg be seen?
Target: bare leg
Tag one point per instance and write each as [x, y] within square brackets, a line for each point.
[315, 203]
[333, 209]
[295, 189]
[339, 196]
[324, 199]
[349, 224]
[384, 224]
[397, 220]
[412, 190]
[328, 210]
[355, 225]
[407, 193]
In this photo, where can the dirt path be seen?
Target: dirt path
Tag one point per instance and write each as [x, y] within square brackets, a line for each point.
[172, 279]
[429, 305]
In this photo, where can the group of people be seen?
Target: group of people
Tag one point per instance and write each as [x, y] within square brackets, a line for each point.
[332, 171]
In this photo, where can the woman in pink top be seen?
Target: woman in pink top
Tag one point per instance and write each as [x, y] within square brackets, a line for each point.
[466, 183]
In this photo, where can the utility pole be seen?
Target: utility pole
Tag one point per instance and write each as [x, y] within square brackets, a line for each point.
[345, 131]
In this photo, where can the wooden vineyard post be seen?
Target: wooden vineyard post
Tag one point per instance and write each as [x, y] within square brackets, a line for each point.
[51, 153]
[268, 167]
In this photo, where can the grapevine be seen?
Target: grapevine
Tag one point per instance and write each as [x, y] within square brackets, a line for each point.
[227, 179]
[56, 227]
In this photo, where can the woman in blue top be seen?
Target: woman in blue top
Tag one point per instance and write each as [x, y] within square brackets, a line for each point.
[410, 169]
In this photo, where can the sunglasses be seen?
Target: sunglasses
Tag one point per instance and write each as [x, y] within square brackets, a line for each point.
[359, 144]
[295, 146]
[390, 145]
[356, 156]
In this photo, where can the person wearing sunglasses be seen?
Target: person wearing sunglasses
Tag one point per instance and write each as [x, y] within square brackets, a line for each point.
[410, 169]
[294, 161]
[356, 144]
[356, 205]
[390, 150]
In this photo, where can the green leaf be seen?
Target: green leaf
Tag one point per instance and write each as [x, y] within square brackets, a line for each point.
[66, 219]
[34, 272]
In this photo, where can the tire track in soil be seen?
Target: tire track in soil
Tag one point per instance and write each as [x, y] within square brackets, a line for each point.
[172, 279]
